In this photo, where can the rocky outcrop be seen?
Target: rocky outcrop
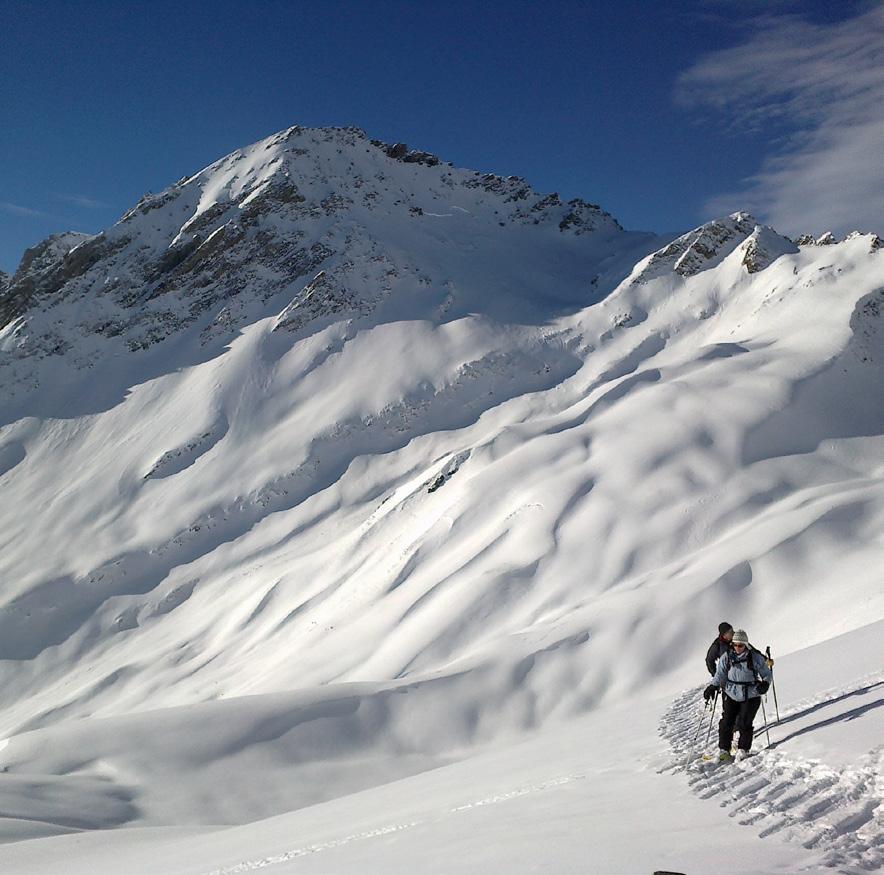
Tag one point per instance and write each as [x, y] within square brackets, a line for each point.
[576, 216]
[867, 324]
[324, 295]
[699, 249]
[401, 152]
[829, 239]
[353, 287]
[764, 246]
[43, 270]
[874, 239]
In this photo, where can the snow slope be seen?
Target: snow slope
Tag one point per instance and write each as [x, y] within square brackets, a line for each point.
[419, 489]
[599, 793]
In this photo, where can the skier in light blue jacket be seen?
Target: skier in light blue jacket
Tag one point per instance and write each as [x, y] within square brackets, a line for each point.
[743, 677]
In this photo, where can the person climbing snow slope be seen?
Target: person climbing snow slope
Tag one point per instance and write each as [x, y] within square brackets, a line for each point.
[743, 676]
[719, 646]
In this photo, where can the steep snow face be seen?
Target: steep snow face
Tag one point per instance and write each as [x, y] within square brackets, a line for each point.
[479, 463]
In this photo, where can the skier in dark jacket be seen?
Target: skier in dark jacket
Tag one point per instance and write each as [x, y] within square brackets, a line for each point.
[743, 676]
[720, 645]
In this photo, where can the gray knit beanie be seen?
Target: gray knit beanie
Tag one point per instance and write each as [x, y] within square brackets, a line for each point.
[740, 637]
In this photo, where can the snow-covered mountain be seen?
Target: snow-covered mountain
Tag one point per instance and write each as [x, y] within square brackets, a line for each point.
[333, 464]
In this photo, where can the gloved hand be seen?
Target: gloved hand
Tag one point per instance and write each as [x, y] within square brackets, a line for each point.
[763, 687]
[709, 692]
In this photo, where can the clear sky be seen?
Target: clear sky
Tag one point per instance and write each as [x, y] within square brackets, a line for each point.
[664, 113]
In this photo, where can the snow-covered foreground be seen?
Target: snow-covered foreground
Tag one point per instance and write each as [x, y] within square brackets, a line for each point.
[818, 778]
[399, 565]
[604, 793]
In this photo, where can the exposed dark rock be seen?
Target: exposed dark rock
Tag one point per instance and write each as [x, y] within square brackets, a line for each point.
[694, 251]
[176, 255]
[867, 325]
[763, 247]
[47, 267]
[510, 188]
[582, 216]
[202, 222]
[874, 239]
[272, 198]
[335, 203]
[550, 200]
[415, 156]
[438, 481]
[401, 152]
[324, 295]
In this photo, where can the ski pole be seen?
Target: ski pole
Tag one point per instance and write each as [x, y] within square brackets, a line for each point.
[696, 734]
[766, 727]
[700, 723]
[773, 683]
[712, 718]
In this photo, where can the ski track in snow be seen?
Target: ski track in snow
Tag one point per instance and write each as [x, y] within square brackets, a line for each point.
[837, 811]
[307, 850]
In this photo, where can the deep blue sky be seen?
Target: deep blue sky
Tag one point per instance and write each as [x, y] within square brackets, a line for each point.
[100, 102]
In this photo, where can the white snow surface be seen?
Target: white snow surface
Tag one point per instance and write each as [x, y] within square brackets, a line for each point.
[408, 561]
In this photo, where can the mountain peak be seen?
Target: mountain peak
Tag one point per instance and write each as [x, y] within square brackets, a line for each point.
[699, 249]
[216, 247]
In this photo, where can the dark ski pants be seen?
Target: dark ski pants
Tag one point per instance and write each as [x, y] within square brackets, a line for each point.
[739, 716]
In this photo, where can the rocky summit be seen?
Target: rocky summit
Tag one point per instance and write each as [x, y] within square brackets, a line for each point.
[255, 229]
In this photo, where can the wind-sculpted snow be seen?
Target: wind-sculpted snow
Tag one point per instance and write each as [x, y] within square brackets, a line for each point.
[398, 485]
